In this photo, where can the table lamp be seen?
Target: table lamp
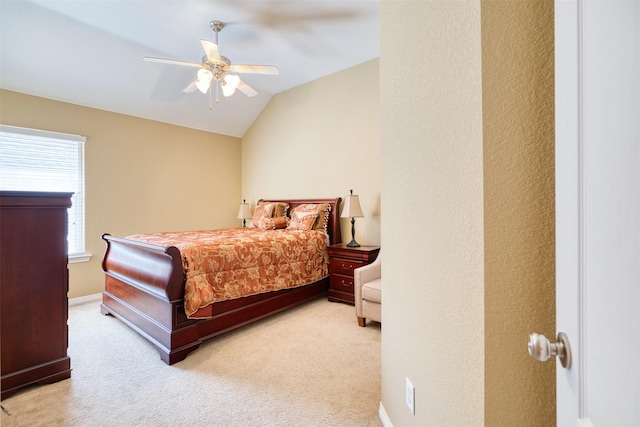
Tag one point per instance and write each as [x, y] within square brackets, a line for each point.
[352, 210]
[244, 212]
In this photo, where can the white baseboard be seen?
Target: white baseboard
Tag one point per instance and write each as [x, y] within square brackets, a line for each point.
[84, 299]
[384, 418]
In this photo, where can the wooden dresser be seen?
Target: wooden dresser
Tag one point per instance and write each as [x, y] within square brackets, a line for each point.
[34, 282]
[342, 261]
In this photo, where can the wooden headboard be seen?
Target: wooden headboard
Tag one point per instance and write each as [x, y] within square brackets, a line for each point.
[333, 226]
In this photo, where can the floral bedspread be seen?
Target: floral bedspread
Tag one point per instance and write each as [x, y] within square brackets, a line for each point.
[235, 262]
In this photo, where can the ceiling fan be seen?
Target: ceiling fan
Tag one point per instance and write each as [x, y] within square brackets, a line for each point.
[219, 68]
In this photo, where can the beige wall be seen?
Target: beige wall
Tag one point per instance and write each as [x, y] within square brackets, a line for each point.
[467, 139]
[141, 175]
[432, 196]
[518, 116]
[321, 139]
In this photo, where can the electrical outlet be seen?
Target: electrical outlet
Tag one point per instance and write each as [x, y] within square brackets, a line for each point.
[410, 396]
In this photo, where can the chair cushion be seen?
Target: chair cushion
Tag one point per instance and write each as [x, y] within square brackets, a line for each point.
[372, 291]
[372, 311]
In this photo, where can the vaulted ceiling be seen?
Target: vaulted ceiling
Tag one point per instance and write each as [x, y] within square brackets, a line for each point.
[89, 52]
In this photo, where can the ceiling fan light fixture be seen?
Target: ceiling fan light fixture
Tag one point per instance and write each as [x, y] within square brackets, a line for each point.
[204, 80]
[230, 83]
[232, 80]
[227, 90]
[203, 86]
[205, 75]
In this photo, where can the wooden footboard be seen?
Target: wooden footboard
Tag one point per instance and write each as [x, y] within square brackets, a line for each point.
[144, 288]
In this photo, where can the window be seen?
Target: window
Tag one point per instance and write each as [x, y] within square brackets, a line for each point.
[35, 160]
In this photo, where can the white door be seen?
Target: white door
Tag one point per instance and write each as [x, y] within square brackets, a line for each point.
[597, 79]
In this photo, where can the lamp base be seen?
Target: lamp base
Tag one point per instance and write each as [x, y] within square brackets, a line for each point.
[353, 244]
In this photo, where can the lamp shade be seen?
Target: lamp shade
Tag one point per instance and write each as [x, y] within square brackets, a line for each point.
[352, 207]
[245, 211]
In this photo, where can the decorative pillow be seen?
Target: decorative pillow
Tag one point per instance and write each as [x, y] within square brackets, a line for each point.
[274, 223]
[321, 209]
[280, 208]
[280, 222]
[264, 210]
[323, 217]
[302, 220]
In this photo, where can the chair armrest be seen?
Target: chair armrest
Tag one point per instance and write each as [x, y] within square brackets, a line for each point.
[362, 275]
[367, 273]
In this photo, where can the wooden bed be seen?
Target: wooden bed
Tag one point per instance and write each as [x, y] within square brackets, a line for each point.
[144, 288]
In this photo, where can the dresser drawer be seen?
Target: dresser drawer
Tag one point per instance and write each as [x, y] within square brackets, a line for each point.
[344, 266]
[342, 283]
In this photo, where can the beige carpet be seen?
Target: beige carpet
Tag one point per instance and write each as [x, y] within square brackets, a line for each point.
[309, 366]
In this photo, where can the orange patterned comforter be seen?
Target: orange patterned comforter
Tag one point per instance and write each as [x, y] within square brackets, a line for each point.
[235, 262]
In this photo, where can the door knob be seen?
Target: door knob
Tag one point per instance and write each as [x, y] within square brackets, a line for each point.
[541, 349]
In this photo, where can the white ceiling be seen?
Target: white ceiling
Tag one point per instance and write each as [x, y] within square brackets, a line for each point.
[89, 52]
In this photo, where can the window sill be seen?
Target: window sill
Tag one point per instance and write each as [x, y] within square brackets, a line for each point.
[74, 259]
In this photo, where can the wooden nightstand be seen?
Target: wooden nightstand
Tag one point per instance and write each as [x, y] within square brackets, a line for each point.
[342, 261]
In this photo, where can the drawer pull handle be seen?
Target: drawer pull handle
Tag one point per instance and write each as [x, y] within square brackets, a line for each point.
[347, 284]
[344, 267]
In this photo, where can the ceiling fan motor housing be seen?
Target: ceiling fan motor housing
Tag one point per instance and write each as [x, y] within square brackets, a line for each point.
[216, 26]
[217, 68]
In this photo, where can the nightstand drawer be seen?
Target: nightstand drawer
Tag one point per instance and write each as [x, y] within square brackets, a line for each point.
[341, 283]
[342, 261]
[344, 266]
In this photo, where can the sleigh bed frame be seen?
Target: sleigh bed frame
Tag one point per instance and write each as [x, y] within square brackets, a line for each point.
[144, 288]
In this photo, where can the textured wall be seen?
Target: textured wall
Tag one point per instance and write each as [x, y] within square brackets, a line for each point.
[479, 193]
[433, 310]
[518, 128]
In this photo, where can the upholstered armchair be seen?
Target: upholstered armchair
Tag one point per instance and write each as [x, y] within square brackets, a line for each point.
[367, 285]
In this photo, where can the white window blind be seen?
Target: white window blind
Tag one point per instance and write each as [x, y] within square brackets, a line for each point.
[36, 160]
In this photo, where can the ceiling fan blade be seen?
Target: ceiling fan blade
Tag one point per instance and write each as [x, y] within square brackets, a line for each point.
[172, 62]
[191, 88]
[255, 69]
[211, 50]
[246, 89]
